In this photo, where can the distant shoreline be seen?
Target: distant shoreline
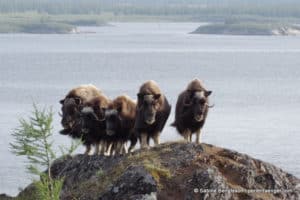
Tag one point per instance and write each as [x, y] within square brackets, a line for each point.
[247, 28]
[35, 23]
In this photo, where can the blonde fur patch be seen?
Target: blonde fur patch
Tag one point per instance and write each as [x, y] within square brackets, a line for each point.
[125, 104]
[195, 85]
[85, 92]
[152, 88]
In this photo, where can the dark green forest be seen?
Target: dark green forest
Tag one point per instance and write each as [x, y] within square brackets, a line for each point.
[194, 8]
[62, 16]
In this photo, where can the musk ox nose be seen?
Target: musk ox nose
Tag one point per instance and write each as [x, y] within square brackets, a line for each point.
[85, 130]
[67, 122]
[65, 125]
[198, 118]
[65, 131]
[71, 124]
[110, 132]
[150, 121]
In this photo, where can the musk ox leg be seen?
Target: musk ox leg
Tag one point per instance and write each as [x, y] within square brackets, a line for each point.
[109, 148]
[187, 135]
[103, 147]
[198, 139]
[133, 142]
[156, 138]
[148, 141]
[124, 148]
[112, 148]
[88, 150]
[144, 143]
[97, 149]
[119, 147]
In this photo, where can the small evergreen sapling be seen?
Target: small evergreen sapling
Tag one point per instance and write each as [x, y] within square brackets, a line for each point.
[32, 139]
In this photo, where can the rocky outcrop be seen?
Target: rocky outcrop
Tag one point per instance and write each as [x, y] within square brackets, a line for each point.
[174, 171]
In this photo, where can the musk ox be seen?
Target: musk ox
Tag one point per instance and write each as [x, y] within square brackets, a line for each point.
[120, 119]
[191, 110]
[72, 104]
[153, 110]
[93, 125]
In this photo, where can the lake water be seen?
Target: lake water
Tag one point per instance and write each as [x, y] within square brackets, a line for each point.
[255, 82]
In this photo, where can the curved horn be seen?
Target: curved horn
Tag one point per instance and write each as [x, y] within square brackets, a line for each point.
[210, 106]
[97, 118]
[100, 120]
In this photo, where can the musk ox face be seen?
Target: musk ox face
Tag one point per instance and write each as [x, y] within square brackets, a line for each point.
[89, 117]
[148, 107]
[113, 121]
[70, 112]
[198, 103]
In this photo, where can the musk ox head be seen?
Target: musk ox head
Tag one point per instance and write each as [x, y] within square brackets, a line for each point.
[90, 118]
[113, 121]
[197, 102]
[148, 106]
[70, 112]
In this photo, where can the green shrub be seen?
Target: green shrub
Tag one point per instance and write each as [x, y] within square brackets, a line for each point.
[32, 139]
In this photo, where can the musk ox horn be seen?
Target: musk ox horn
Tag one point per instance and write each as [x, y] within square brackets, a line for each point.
[100, 120]
[210, 106]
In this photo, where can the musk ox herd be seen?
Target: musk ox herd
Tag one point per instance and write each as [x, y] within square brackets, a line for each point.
[109, 124]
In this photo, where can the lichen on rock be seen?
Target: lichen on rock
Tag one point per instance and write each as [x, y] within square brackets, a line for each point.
[173, 171]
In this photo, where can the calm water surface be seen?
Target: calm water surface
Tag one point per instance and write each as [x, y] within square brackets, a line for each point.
[255, 82]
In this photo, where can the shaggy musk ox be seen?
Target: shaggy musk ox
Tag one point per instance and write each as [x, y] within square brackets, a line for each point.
[153, 111]
[72, 104]
[93, 125]
[191, 110]
[120, 119]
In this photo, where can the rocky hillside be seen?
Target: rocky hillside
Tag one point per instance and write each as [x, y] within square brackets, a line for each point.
[172, 171]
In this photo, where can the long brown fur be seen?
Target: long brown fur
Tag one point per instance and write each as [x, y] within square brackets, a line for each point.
[185, 110]
[100, 101]
[151, 88]
[84, 92]
[97, 131]
[161, 110]
[126, 105]
[195, 85]
[124, 126]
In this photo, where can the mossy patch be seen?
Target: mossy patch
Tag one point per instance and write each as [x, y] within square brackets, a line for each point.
[157, 171]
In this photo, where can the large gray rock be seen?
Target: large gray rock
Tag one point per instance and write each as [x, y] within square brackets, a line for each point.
[174, 171]
[135, 183]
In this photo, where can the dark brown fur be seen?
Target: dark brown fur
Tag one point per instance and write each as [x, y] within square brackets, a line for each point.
[120, 121]
[125, 105]
[84, 92]
[72, 104]
[160, 111]
[93, 127]
[191, 110]
[151, 87]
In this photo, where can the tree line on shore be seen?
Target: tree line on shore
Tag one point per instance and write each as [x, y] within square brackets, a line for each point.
[194, 8]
